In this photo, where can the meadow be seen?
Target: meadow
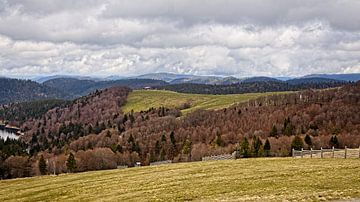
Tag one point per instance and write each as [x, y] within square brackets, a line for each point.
[140, 100]
[256, 179]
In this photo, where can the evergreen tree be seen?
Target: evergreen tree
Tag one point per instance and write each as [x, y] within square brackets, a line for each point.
[218, 141]
[157, 147]
[71, 163]
[273, 132]
[244, 148]
[267, 147]
[297, 143]
[334, 142]
[288, 129]
[308, 140]
[172, 139]
[42, 165]
[163, 138]
[256, 145]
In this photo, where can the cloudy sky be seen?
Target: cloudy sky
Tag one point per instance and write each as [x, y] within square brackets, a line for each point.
[203, 37]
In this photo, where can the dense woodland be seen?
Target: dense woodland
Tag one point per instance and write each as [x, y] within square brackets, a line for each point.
[16, 90]
[92, 133]
[253, 87]
[17, 113]
[78, 87]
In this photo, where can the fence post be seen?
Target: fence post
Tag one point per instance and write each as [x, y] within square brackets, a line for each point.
[311, 152]
[345, 151]
[333, 152]
[293, 152]
[359, 151]
[321, 152]
[302, 150]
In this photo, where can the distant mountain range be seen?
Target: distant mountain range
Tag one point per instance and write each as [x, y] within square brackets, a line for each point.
[344, 77]
[172, 78]
[70, 87]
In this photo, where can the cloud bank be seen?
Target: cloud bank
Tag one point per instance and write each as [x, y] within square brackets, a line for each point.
[227, 37]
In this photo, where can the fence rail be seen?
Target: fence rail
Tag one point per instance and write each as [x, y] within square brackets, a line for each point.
[220, 157]
[327, 153]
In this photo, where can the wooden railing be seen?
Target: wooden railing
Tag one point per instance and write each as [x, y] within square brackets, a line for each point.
[327, 153]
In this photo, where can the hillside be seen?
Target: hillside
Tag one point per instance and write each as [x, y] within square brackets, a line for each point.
[101, 136]
[18, 113]
[80, 87]
[255, 85]
[141, 100]
[265, 179]
[16, 90]
[344, 77]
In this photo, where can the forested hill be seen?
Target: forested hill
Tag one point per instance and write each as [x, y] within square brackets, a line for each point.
[17, 113]
[100, 136]
[87, 114]
[80, 87]
[16, 90]
[254, 87]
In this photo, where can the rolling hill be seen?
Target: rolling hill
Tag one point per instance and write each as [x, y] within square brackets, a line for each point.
[260, 85]
[77, 87]
[260, 179]
[141, 100]
[344, 77]
[16, 90]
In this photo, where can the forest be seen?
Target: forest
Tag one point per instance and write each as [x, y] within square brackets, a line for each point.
[253, 87]
[17, 90]
[92, 133]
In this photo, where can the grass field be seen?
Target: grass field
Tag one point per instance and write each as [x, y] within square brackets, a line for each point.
[144, 99]
[263, 179]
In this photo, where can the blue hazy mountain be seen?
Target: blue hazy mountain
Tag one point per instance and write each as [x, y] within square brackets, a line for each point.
[344, 77]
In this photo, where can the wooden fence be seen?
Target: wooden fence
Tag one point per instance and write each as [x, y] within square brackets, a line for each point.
[220, 157]
[160, 162]
[327, 153]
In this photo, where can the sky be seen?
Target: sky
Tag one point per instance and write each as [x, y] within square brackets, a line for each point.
[203, 37]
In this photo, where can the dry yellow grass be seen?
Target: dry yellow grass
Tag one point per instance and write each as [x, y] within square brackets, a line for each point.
[263, 179]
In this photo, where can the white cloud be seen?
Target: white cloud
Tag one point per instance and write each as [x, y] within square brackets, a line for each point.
[241, 38]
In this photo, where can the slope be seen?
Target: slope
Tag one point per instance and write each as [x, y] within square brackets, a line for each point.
[265, 179]
[140, 100]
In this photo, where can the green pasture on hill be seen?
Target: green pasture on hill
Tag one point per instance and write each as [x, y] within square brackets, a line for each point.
[139, 100]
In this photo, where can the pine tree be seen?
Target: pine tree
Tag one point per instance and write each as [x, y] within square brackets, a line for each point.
[163, 138]
[297, 143]
[42, 165]
[308, 140]
[71, 163]
[273, 132]
[244, 148]
[256, 145]
[157, 147]
[267, 147]
[289, 130]
[172, 139]
[218, 141]
[334, 142]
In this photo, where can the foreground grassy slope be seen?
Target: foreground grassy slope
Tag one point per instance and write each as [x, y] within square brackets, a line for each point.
[144, 99]
[264, 179]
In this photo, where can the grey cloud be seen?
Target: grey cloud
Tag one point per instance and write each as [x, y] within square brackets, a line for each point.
[231, 37]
